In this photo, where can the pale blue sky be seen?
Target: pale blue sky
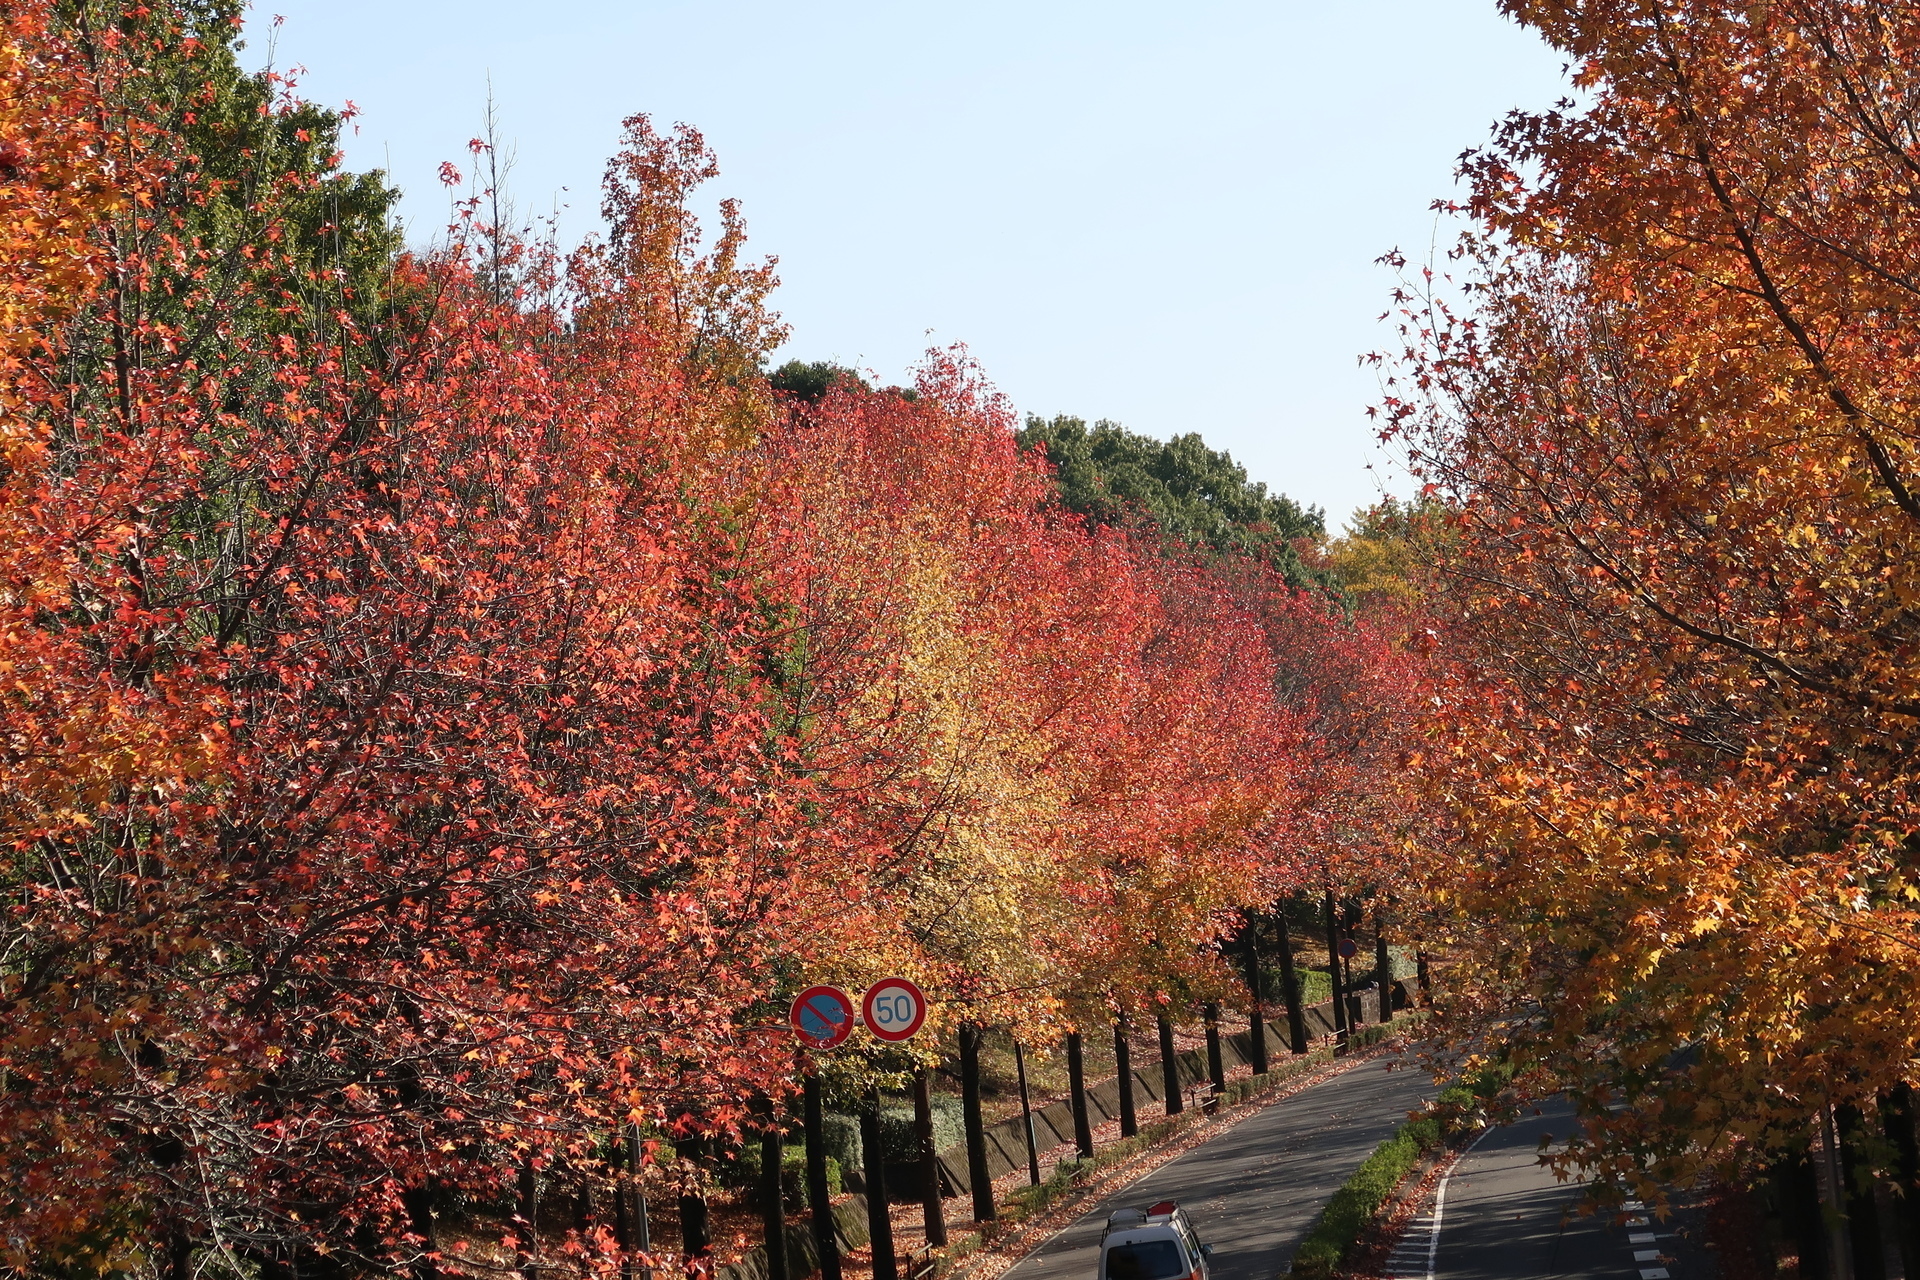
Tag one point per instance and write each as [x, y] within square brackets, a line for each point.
[1163, 214]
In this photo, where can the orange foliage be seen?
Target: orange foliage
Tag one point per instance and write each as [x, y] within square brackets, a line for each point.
[448, 707]
[1040, 732]
[1678, 428]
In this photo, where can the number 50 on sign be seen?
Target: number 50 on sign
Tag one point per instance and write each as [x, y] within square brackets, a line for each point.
[893, 1009]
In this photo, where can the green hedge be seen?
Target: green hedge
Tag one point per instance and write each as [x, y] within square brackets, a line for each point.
[1354, 1205]
[898, 1141]
[744, 1173]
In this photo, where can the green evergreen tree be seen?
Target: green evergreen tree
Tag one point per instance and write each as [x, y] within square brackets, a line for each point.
[1186, 492]
[809, 380]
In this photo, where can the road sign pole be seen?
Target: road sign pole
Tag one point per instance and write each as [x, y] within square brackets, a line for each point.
[642, 1229]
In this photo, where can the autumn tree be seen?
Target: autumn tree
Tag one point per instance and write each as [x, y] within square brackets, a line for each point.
[402, 778]
[1670, 403]
[441, 683]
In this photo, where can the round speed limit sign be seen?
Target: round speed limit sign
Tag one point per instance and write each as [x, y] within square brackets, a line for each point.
[893, 1009]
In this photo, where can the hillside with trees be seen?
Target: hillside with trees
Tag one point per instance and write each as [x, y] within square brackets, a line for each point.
[456, 698]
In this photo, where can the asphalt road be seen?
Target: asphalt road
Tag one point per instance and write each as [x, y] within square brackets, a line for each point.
[1253, 1190]
[1505, 1217]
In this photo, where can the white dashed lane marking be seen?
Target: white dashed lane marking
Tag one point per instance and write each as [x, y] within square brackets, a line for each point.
[1644, 1237]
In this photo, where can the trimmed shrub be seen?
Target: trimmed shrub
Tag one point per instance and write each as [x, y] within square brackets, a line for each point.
[896, 1129]
[745, 1174]
[1354, 1204]
[840, 1138]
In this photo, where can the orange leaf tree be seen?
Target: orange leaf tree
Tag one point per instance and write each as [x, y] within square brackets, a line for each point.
[1677, 426]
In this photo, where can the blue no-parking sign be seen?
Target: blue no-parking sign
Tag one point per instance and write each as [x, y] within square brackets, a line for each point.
[821, 1016]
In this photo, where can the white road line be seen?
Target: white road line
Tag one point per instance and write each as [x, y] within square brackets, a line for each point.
[1643, 1237]
[1440, 1200]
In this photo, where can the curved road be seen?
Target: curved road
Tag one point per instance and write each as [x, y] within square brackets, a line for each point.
[1504, 1216]
[1253, 1190]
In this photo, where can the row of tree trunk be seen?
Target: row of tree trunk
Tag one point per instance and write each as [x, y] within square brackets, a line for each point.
[629, 1210]
[1347, 1014]
[1848, 1243]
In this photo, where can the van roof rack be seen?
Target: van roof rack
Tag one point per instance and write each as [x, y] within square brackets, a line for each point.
[1120, 1218]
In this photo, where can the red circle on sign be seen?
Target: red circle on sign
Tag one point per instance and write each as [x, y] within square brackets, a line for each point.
[1349, 948]
[821, 1016]
[893, 1009]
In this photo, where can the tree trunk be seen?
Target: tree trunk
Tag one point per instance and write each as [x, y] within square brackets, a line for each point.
[1863, 1215]
[1123, 1066]
[1077, 1087]
[1296, 1015]
[180, 1258]
[1897, 1111]
[773, 1198]
[419, 1203]
[1026, 1114]
[1333, 972]
[1798, 1188]
[1170, 1068]
[583, 1219]
[932, 1212]
[874, 1167]
[526, 1212]
[696, 1238]
[818, 1198]
[975, 1123]
[1382, 967]
[1839, 1246]
[1216, 1064]
[1256, 992]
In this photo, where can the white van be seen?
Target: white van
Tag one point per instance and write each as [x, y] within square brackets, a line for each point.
[1157, 1243]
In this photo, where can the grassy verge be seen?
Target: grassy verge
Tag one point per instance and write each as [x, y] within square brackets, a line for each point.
[1354, 1204]
[1353, 1207]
